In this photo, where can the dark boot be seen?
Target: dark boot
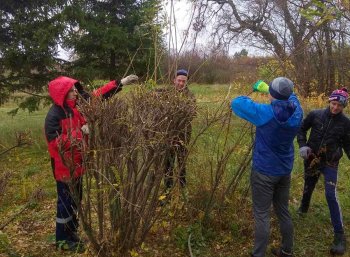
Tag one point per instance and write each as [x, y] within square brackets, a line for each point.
[280, 253]
[339, 244]
[302, 209]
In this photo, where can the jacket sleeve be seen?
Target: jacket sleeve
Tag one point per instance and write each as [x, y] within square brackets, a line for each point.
[256, 113]
[346, 140]
[108, 90]
[52, 127]
[305, 126]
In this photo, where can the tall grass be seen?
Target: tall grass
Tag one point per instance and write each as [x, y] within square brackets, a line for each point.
[231, 225]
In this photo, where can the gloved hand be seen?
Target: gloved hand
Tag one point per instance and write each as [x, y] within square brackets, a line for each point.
[85, 129]
[129, 79]
[261, 86]
[305, 152]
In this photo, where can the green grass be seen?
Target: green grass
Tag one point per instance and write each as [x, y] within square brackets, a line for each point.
[230, 232]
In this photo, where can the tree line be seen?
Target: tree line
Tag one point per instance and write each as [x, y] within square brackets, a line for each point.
[310, 39]
[305, 40]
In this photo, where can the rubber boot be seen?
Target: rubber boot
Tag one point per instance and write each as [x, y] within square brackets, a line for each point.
[339, 244]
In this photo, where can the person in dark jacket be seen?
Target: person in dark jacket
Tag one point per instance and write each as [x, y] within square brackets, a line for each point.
[330, 133]
[179, 149]
[277, 125]
[65, 128]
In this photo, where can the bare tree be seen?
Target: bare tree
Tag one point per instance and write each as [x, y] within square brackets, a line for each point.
[276, 26]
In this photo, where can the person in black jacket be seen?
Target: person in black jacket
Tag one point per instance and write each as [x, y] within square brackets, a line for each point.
[330, 134]
[179, 149]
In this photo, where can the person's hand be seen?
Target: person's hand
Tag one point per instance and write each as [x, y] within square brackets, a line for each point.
[129, 79]
[261, 86]
[85, 129]
[305, 152]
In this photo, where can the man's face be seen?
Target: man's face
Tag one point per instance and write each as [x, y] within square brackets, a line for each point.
[72, 94]
[335, 107]
[180, 82]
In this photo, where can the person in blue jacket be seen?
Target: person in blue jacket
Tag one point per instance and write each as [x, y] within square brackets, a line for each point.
[277, 124]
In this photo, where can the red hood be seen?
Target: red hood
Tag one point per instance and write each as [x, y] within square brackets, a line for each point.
[59, 87]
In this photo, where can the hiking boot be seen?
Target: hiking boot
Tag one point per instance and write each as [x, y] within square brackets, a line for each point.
[280, 253]
[71, 246]
[339, 244]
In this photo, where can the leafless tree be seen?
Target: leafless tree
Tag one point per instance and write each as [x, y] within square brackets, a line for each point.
[277, 26]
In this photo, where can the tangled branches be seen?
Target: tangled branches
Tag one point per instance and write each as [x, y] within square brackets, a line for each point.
[128, 141]
[126, 156]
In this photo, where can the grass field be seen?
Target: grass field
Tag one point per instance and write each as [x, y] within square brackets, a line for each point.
[230, 234]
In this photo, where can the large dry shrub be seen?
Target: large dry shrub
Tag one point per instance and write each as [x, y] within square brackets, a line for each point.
[130, 136]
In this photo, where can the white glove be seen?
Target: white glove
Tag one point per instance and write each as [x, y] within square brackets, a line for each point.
[129, 79]
[304, 152]
[85, 129]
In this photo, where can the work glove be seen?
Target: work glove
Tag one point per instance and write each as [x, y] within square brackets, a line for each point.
[85, 129]
[261, 86]
[129, 79]
[305, 152]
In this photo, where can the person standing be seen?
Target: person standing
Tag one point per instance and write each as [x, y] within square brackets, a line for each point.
[330, 133]
[65, 128]
[178, 149]
[277, 125]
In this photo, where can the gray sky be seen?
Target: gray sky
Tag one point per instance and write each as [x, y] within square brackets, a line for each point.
[179, 15]
[182, 12]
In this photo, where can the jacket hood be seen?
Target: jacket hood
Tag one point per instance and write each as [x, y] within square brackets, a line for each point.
[287, 113]
[59, 88]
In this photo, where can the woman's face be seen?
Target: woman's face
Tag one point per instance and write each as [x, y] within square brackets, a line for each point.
[72, 94]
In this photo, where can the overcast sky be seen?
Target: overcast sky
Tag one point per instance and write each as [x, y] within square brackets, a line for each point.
[182, 12]
[179, 16]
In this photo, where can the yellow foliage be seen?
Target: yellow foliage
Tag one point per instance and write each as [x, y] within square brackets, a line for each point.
[133, 253]
[162, 197]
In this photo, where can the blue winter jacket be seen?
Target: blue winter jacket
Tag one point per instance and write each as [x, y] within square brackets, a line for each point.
[276, 126]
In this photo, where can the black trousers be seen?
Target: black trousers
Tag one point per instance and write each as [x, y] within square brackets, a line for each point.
[179, 153]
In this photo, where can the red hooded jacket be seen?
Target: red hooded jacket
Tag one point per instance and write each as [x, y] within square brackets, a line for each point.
[63, 125]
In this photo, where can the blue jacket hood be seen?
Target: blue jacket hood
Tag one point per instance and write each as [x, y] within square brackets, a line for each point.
[287, 113]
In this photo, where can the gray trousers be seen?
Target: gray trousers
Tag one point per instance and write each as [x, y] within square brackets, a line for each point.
[267, 190]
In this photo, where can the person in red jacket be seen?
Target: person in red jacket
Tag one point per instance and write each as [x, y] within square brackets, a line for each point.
[64, 130]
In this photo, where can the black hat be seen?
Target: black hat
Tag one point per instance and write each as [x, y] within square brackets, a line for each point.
[182, 72]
